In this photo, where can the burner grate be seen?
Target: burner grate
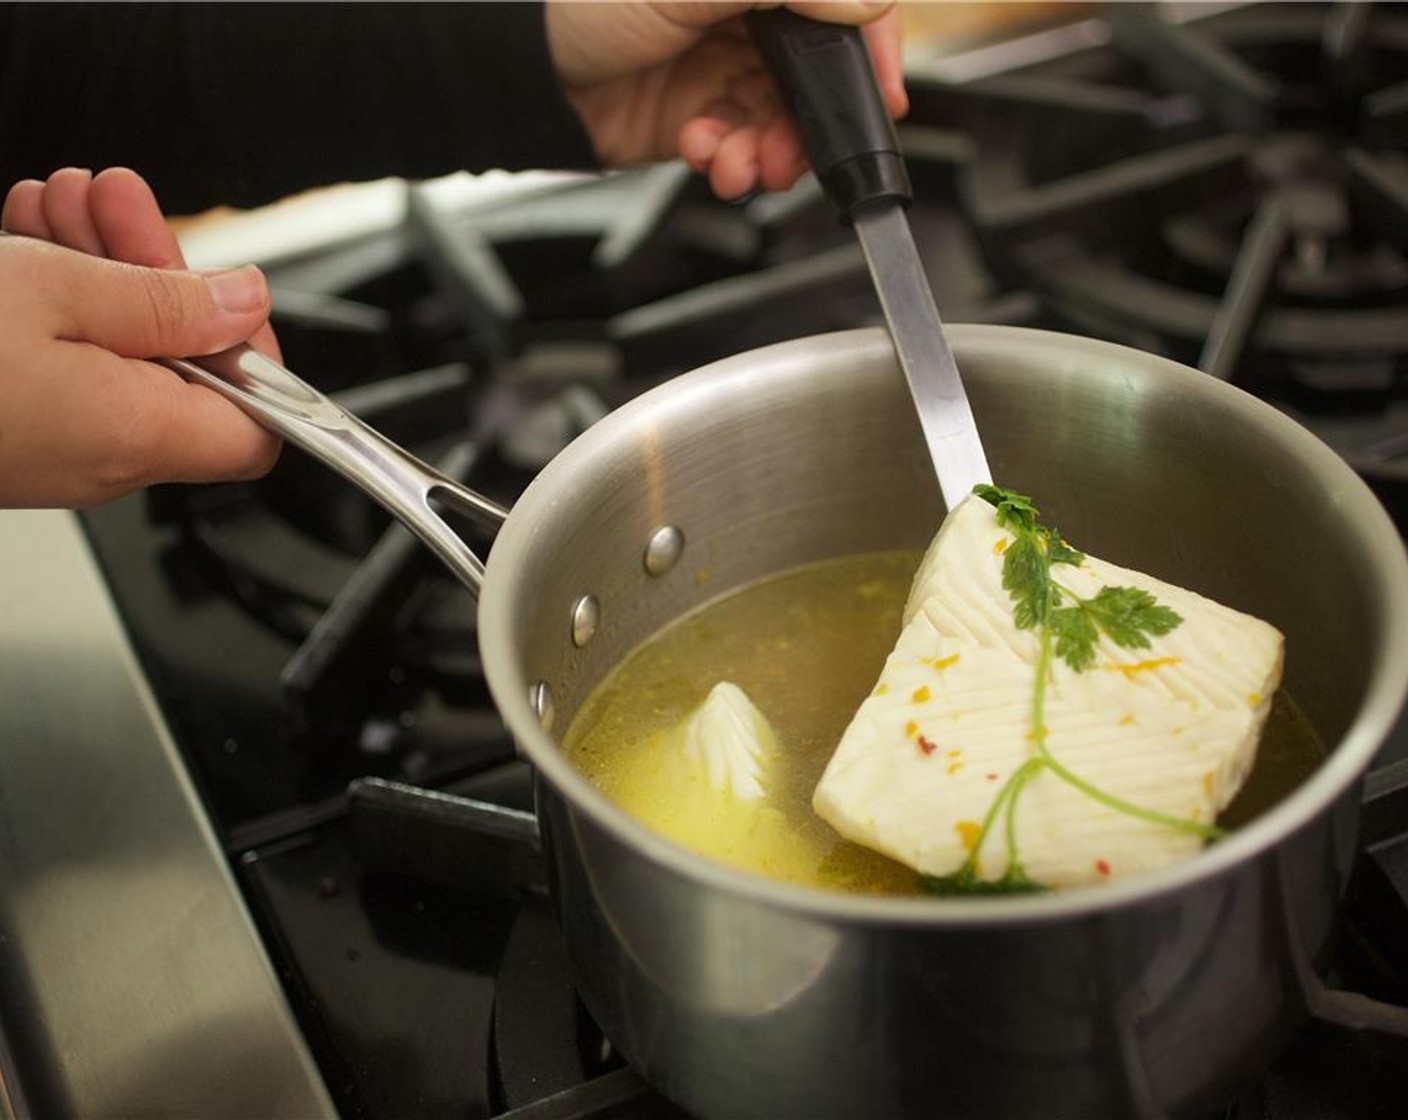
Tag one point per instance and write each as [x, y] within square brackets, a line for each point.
[1229, 191]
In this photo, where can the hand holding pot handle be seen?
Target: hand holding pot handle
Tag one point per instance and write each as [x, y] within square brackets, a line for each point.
[410, 490]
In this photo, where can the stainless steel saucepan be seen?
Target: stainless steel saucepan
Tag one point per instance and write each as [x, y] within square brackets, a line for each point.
[739, 996]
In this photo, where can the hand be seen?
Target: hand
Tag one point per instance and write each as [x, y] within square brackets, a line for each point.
[83, 417]
[655, 80]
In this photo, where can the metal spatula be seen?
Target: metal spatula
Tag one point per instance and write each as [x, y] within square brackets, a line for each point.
[825, 75]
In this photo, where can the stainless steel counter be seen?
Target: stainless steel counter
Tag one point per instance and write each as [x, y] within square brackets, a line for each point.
[132, 980]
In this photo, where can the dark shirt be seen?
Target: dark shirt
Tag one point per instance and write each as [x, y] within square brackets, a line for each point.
[243, 103]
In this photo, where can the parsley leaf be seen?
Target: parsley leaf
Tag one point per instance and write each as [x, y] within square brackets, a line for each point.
[1026, 577]
[1059, 552]
[1014, 511]
[1129, 615]
[1075, 636]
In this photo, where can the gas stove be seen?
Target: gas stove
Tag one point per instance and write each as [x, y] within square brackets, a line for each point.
[302, 704]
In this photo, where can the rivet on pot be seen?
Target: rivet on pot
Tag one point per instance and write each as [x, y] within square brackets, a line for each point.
[540, 697]
[664, 550]
[586, 613]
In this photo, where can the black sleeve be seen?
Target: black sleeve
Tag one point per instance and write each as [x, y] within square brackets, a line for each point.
[243, 103]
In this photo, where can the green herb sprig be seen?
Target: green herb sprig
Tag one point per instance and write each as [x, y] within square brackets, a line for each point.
[1068, 627]
[1126, 615]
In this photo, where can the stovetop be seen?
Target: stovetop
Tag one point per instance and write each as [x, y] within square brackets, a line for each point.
[1229, 191]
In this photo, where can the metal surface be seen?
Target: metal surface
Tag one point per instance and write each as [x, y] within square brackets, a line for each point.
[1137, 226]
[586, 616]
[924, 354]
[1182, 58]
[408, 489]
[132, 981]
[1247, 290]
[663, 551]
[1153, 996]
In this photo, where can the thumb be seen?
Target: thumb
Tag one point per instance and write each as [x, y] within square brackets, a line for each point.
[138, 312]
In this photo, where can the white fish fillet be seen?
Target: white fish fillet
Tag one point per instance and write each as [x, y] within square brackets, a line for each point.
[709, 782]
[728, 739]
[1172, 728]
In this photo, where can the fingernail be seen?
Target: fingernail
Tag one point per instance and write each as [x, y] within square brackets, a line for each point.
[236, 289]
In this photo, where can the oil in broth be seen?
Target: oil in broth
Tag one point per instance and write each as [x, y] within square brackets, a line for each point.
[806, 646]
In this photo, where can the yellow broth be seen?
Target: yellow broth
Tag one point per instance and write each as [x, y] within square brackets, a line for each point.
[806, 646]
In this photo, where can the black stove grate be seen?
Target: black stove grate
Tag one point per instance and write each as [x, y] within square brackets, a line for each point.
[1231, 193]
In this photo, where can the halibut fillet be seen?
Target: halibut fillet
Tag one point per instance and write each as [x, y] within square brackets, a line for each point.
[1172, 728]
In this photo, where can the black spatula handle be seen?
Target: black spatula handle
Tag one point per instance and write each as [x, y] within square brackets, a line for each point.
[828, 83]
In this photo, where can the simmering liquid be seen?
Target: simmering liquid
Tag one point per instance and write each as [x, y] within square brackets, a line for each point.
[807, 647]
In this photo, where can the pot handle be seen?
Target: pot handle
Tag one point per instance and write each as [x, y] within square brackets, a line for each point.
[410, 490]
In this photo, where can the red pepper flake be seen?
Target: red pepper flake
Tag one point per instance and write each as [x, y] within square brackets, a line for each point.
[926, 746]
[1101, 867]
